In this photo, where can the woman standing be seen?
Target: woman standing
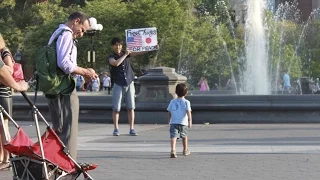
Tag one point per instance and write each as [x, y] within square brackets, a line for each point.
[203, 84]
[6, 103]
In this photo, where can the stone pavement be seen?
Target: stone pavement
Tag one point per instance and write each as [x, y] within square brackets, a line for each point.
[218, 152]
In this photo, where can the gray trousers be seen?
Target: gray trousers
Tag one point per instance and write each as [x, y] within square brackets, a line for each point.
[64, 112]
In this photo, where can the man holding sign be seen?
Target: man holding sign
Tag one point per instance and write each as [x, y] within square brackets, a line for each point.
[122, 79]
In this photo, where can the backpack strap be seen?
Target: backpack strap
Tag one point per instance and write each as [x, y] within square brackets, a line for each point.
[58, 35]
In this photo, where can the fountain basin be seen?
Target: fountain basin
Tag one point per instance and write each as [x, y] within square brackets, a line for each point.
[205, 108]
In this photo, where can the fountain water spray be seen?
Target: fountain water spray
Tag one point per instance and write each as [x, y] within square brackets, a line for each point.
[255, 77]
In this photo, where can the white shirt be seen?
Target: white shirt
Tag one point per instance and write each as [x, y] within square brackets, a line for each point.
[106, 81]
[95, 83]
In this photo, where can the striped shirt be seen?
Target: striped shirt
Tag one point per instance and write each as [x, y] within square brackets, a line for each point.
[4, 90]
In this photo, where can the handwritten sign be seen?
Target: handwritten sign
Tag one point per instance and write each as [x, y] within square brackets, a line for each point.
[144, 39]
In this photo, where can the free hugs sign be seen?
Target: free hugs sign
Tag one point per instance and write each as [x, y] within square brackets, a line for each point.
[143, 39]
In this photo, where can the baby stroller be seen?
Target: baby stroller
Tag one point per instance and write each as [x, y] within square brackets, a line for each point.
[47, 159]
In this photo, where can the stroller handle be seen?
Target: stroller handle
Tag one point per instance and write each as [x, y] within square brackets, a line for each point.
[24, 94]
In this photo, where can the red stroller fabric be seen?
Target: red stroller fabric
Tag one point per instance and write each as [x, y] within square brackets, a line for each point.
[22, 145]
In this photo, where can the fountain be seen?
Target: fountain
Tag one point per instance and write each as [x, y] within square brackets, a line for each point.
[258, 77]
[265, 54]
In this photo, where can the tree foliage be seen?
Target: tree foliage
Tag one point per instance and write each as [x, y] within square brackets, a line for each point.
[197, 37]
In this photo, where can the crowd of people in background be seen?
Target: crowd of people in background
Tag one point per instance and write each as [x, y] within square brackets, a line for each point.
[285, 84]
[103, 83]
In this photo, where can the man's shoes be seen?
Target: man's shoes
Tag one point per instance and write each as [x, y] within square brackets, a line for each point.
[133, 132]
[116, 132]
[173, 154]
[186, 152]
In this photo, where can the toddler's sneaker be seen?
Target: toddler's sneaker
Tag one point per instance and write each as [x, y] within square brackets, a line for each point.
[133, 132]
[173, 154]
[186, 152]
[116, 132]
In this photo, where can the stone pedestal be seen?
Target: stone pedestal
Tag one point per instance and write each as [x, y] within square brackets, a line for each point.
[157, 88]
[159, 85]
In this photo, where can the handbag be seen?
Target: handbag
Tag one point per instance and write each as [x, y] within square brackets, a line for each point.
[17, 72]
[17, 68]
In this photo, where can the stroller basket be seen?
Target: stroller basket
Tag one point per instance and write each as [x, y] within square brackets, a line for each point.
[30, 168]
[47, 159]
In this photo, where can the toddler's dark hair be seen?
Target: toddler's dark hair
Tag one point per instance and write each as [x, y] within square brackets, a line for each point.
[181, 89]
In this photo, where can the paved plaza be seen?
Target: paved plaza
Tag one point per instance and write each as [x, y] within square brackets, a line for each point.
[218, 152]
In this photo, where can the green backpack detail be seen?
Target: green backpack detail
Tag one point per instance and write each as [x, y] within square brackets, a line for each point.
[51, 79]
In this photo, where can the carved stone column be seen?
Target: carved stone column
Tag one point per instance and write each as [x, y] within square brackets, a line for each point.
[157, 88]
[159, 85]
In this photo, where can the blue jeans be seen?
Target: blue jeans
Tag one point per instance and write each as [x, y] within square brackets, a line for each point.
[129, 94]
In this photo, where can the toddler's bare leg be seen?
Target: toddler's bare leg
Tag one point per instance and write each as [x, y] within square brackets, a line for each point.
[173, 144]
[185, 143]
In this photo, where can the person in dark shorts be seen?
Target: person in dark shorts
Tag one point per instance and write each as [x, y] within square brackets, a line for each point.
[180, 119]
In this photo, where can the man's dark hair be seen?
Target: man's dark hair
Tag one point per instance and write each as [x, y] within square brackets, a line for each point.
[181, 89]
[83, 17]
[116, 40]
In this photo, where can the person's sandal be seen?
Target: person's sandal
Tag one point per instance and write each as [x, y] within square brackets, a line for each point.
[5, 166]
[173, 154]
[186, 152]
